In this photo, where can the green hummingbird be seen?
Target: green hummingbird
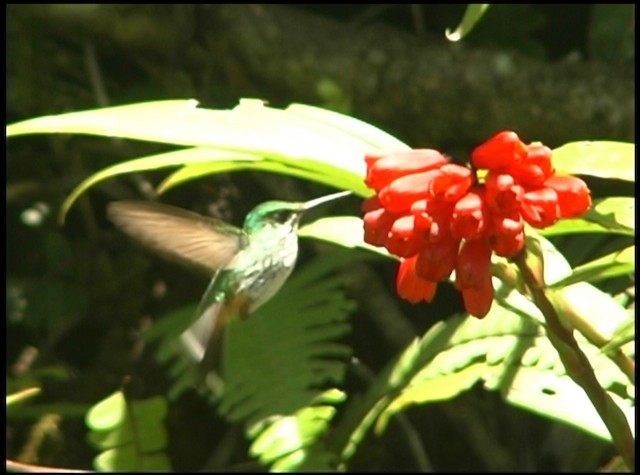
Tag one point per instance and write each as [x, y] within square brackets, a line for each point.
[248, 266]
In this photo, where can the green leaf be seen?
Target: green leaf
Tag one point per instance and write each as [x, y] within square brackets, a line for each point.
[285, 440]
[625, 333]
[153, 162]
[311, 171]
[130, 434]
[580, 226]
[472, 15]
[346, 231]
[365, 132]
[276, 360]
[507, 351]
[108, 413]
[126, 459]
[601, 158]
[301, 141]
[614, 213]
[612, 265]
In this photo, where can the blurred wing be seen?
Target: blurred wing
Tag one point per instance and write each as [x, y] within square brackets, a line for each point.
[205, 243]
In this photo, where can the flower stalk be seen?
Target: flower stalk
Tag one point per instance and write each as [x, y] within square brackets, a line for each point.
[576, 363]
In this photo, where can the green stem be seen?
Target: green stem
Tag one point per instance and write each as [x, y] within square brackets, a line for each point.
[577, 364]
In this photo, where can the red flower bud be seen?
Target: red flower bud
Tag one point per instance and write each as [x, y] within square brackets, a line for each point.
[507, 234]
[377, 224]
[535, 168]
[411, 287]
[540, 207]
[473, 263]
[503, 193]
[478, 300]
[372, 157]
[402, 240]
[499, 152]
[400, 194]
[422, 218]
[437, 260]
[507, 245]
[433, 219]
[469, 217]
[371, 203]
[452, 182]
[574, 197]
[398, 164]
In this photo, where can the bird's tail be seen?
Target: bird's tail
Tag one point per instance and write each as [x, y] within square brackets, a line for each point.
[204, 341]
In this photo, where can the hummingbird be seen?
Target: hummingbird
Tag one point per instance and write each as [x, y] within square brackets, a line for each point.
[247, 266]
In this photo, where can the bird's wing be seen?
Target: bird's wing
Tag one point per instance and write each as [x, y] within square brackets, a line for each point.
[201, 242]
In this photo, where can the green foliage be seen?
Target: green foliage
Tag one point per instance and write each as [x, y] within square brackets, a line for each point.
[284, 367]
[602, 159]
[130, 434]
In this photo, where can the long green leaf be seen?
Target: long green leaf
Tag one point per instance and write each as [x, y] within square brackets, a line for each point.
[606, 267]
[154, 162]
[312, 171]
[304, 141]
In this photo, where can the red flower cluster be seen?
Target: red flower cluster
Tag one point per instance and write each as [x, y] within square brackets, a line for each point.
[438, 217]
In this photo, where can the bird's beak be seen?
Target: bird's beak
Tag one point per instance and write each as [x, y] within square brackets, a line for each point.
[323, 199]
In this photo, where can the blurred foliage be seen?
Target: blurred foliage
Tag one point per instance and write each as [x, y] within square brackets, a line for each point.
[79, 298]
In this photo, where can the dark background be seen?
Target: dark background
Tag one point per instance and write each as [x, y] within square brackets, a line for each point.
[79, 296]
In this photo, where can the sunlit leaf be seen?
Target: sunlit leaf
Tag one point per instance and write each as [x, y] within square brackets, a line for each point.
[624, 334]
[612, 265]
[326, 175]
[345, 231]
[615, 213]
[472, 15]
[129, 434]
[366, 132]
[579, 225]
[108, 413]
[601, 158]
[302, 141]
[154, 162]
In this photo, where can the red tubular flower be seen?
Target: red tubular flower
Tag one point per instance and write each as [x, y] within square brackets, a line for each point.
[469, 217]
[477, 300]
[377, 222]
[473, 263]
[503, 193]
[400, 194]
[535, 168]
[402, 240]
[473, 277]
[499, 152]
[433, 219]
[540, 207]
[452, 182]
[437, 260]
[425, 207]
[411, 287]
[507, 234]
[422, 218]
[381, 172]
[574, 197]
